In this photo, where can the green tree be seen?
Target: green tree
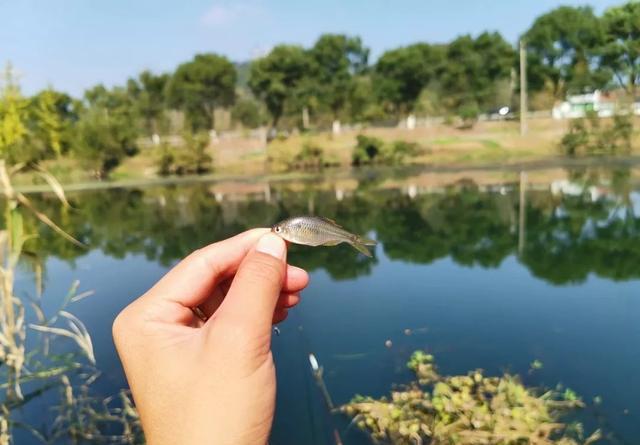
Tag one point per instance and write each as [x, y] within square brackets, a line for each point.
[621, 51]
[278, 77]
[563, 47]
[474, 70]
[401, 74]
[106, 131]
[149, 91]
[337, 59]
[12, 114]
[51, 115]
[248, 112]
[200, 86]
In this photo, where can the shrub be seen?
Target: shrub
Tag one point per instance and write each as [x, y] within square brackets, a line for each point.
[589, 137]
[310, 156]
[190, 158]
[371, 150]
[367, 150]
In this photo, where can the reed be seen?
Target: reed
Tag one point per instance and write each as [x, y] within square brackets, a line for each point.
[80, 417]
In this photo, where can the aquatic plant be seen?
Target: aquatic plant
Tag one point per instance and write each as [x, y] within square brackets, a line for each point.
[465, 410]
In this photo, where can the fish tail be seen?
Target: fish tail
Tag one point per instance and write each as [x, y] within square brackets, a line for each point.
[366, 241]
[361, 247]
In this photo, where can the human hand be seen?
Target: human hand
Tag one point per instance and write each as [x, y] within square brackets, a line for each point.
[198, 382]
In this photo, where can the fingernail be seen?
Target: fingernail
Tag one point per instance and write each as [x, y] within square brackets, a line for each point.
[271, 245]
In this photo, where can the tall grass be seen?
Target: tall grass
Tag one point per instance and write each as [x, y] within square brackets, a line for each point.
[30, 369]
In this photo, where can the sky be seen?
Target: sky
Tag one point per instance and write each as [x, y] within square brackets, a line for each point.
[72, 45]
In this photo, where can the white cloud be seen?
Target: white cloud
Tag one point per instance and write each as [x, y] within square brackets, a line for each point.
[223, 13]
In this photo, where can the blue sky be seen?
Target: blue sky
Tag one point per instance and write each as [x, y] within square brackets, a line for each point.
[74, 44]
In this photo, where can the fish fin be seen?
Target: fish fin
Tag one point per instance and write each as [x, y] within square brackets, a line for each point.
[329, 220]
[367, 241]
[332, 243]
[361, 248]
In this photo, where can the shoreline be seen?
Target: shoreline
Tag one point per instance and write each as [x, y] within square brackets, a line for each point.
[341, 173]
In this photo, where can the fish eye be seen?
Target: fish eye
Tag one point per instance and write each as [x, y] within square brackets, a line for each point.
[278, 229]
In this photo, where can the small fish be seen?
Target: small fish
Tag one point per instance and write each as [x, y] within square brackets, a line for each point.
[318, 231]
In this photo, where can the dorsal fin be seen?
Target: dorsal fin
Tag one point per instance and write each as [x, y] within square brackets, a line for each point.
[329, 220]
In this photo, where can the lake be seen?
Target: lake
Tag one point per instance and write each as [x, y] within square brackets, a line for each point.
[484, 269]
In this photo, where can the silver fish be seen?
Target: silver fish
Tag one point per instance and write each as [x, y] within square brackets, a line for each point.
[318, 231]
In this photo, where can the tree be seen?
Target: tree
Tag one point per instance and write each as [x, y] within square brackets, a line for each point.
[51, 115]
[277, 78]
[563, 47]
[200, 86]
[248, 112]
[621, 51]
[474, 70]
[149, 91]
[401, 74]
[337, 59]
[12, 114]
[104, 134]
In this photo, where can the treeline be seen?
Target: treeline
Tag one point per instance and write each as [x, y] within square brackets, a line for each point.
[569, 50]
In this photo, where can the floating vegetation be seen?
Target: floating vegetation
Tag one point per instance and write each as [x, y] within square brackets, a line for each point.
[467, 409]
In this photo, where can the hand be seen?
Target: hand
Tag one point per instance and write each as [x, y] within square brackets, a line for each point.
[210, 382]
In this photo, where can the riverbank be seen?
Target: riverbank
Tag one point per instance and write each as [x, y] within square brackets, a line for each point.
[489, 145]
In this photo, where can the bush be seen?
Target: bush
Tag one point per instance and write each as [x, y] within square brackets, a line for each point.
[367, 150]
[398, 151]
[190, 158]
[371, 150]
[469, 114]
[310, 156]
[587, 137]
[249, 113]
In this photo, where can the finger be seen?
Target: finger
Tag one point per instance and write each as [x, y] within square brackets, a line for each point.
[193, 280]
[287, 301]
[279, 316]
[209, 307]
[255, 290]
[296, 280]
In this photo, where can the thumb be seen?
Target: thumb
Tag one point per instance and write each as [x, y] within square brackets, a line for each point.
[256, 287]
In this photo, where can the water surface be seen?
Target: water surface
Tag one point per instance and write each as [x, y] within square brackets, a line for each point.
[467, 268]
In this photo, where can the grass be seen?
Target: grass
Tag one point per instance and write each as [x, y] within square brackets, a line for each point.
[30, 367]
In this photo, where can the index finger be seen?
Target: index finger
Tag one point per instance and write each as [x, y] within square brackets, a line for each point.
[193, 280]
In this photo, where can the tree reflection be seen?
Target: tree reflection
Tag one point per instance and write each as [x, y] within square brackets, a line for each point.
[593, 230]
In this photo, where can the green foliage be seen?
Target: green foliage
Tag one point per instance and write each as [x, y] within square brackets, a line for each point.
[466, 410]
[589, 137]
[469, 113]
[563, 48]
[310, 156]
[336, 60]
[104, 135]
[621, 51]
[367, 150]
[149, 95]
[12, 114]
[401, 74]
[248, 112]
[278, 77]
[371, 150]
[200, 86]
[189, 158]
[474, 71]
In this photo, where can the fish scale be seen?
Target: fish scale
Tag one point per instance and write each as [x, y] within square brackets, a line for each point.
[317, 231]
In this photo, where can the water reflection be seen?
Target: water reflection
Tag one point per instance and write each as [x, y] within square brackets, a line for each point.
[584, 223]
[472, 306]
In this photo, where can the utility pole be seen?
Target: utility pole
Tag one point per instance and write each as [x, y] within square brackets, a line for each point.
[523, 88]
